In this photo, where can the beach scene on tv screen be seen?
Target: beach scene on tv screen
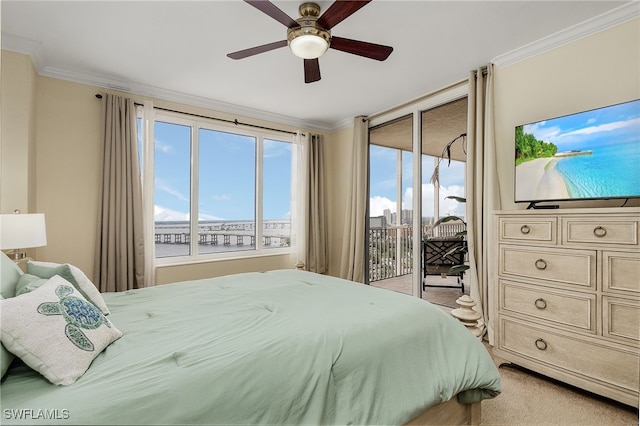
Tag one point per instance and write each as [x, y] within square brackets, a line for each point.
[593, 154]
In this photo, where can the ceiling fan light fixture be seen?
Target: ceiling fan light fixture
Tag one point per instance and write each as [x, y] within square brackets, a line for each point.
[309, 36]
[308, 46]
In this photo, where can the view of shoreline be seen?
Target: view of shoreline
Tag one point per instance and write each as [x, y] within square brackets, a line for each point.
[539, 180]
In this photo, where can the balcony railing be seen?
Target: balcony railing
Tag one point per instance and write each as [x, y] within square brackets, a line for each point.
[391, 248]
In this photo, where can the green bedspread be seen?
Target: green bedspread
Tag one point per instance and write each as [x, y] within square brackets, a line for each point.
[281, 347]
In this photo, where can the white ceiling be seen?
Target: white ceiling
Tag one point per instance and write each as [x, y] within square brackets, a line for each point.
[176, 50]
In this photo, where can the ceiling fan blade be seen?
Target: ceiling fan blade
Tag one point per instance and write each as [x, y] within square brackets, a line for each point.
[240, 54]
[361, 48]
[339, 11]
[311, 70]
[270, 9]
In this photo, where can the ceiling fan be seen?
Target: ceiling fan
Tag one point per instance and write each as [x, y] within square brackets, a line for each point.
[309, 37]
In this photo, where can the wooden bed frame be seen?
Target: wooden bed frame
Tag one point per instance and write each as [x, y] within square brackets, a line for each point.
[449, 413]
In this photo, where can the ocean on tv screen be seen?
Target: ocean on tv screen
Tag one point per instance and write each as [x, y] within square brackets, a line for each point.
[588, 155]
[610, 171]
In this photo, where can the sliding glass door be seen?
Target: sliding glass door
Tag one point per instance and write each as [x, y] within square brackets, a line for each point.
[389, 239]
[441, 125]
[405, 146]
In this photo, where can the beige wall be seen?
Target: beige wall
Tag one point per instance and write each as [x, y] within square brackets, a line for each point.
[17, 134]
[194, 271]
[67, 162]
[592, 72]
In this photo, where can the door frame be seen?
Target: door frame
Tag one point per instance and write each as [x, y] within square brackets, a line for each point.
[451, 93]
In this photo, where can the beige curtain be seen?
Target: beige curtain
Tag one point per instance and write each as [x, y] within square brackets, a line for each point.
[317, 226]
[483, 195]
[309, 201]
[119, 259]
[148, 175]
[353, 243]
[299, 204]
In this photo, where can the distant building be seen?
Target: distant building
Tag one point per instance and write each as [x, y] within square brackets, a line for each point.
[388, 216]
[407, 217]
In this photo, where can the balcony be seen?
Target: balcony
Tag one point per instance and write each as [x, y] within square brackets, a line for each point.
[391, 262]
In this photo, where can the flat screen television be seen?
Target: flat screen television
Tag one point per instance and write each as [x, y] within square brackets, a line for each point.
[583, 156]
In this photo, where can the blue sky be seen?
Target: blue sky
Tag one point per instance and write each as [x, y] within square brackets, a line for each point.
[586, 130]
[227, 176]
[383, 183]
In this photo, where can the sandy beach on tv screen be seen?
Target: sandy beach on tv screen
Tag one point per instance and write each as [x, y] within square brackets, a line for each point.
[539, 180]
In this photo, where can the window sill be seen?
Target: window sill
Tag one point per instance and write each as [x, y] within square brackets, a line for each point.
[190, 260]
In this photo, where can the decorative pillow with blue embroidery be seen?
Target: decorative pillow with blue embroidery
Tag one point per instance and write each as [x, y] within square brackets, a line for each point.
[72, 274]
[55, 330]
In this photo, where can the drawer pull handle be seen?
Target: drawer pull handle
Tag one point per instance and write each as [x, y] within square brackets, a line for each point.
[540, 303]
[525, 229]
[541, 264]
[599, 232]
[541, 344]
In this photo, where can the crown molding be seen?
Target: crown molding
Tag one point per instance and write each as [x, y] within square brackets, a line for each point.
[19, 44]
[33, 49]
[583, 29]
[25, 46]
[146, 90]
[342, 124]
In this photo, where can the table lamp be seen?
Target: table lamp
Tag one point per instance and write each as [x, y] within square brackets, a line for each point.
[21, 231]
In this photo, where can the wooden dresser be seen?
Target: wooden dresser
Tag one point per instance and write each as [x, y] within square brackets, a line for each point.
[568, 296]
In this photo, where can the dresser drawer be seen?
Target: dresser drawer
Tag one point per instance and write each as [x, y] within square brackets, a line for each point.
[561, 308]
[539, 230]
[621, 272]
[621, 319]
[572, 354]
[623, 230]
[566, 267]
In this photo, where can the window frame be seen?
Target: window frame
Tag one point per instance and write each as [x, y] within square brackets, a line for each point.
[260, 135]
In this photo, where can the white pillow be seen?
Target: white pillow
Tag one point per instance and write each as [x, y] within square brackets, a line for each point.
[10, 273]
[75, 276]
[55, 330]
[6, 357]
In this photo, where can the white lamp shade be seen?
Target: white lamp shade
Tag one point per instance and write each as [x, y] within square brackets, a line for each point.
[308, 46]
[20, 231]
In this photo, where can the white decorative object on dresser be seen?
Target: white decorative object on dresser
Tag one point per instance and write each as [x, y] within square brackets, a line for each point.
[568, 299]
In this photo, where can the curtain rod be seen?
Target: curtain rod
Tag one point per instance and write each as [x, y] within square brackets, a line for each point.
[234, 121]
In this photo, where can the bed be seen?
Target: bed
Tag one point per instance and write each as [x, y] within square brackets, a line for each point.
[279, 347]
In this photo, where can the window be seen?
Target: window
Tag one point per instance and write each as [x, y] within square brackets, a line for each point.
[226, 192]
[172, 189]
[390, 199]
[219, 192]
[276, 182]
[440, 125]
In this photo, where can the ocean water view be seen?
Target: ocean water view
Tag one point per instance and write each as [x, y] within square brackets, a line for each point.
[611, 170]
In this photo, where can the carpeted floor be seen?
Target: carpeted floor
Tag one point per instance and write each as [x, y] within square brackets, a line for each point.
[531, 399]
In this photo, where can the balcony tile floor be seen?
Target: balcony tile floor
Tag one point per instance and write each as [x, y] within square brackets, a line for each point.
[443, 297]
